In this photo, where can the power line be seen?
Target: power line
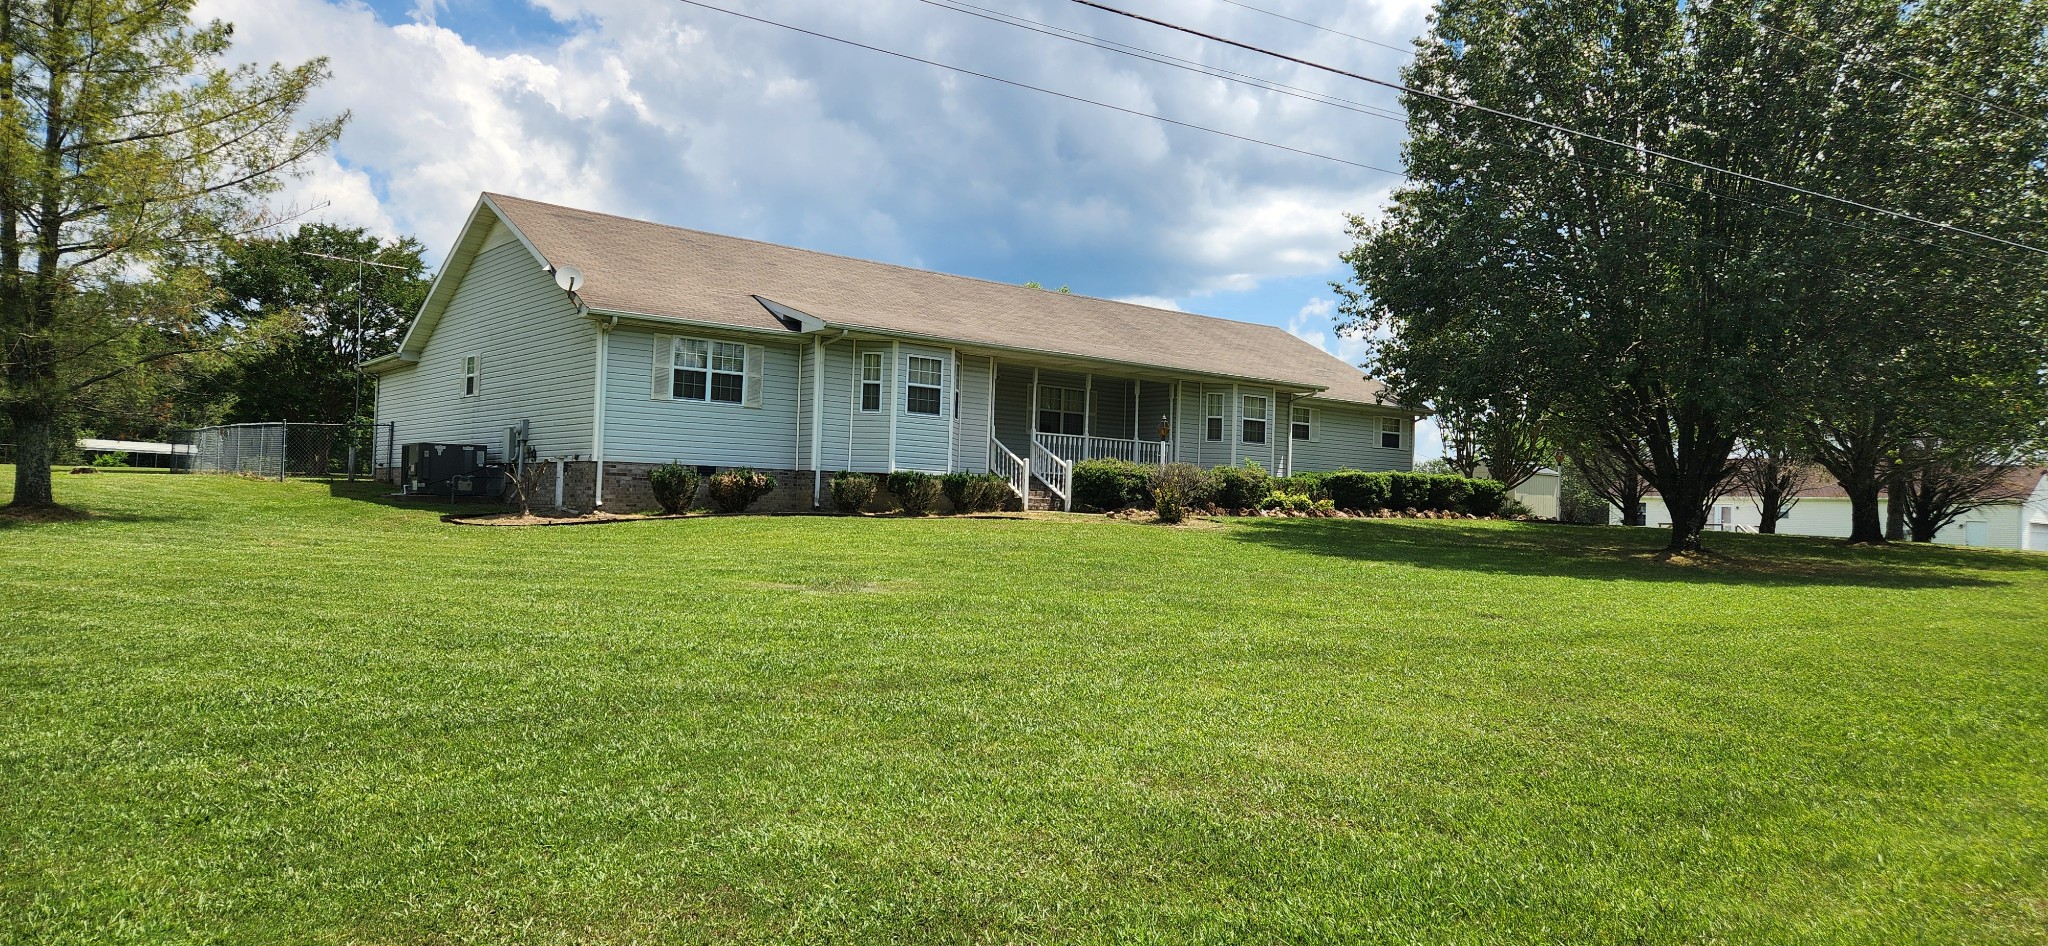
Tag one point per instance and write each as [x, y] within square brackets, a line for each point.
[1164, 59]
[1151, 55]
[1023, 85]
[1318, 26]
[1549, 126]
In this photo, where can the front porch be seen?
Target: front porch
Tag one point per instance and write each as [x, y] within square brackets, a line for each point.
[1043, 421]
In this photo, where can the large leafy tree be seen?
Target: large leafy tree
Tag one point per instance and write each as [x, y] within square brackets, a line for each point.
[308, 319]
[122, 145]
[1660, 311]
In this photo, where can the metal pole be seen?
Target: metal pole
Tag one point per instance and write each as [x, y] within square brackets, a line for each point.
[361, 304]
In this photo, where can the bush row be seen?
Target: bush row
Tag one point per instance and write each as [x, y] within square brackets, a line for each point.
[918, 493]
[1111, 485]
[675, 488]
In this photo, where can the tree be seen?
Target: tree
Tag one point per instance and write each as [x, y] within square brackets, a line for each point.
[1616, 478]
[1775, 476]
[122, 145]
[303, 314]
[1658, 310]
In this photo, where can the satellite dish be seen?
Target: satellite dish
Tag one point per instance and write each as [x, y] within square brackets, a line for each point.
[569, 278]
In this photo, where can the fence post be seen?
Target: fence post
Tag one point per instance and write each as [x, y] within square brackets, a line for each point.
[284, 436]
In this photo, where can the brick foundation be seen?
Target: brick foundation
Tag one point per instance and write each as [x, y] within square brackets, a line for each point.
[627, 490]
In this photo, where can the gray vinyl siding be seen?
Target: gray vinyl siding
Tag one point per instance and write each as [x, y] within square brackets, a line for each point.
[970, 423]
[836, 450]
[537, 363]
[1155, 403]
[871, 428]
[640, 429]
[806, 386]
[923, 441]
[1348, 438]
[1013, 408]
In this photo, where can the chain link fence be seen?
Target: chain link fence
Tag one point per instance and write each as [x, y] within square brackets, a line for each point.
[279, 450]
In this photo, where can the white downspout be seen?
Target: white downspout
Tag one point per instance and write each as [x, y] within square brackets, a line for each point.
[1290, 437]
[817, 422]
[604, 334]
[895, 396]
[952, 404]
[1234, 416]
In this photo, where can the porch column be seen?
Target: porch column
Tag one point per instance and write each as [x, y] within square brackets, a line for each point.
[1031, 425]
[1087, 415]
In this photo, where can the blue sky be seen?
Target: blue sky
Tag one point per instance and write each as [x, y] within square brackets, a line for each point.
[660, 110]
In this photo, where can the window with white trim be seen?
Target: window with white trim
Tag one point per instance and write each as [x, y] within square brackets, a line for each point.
[1062, 410]
[708, 371]
[471, 375]
[1390, 433]
[1254, 420]
[1218, 404]
[870, 381]
[923, 379]
[1301, 423]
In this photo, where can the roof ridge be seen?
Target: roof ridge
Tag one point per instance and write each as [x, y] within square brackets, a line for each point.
[900, 266]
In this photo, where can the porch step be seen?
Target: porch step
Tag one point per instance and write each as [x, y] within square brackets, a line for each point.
[1043, 498]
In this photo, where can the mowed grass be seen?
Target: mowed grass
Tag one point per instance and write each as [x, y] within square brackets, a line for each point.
[236, 711]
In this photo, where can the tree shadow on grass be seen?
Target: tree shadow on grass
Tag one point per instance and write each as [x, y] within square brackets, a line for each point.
[385, 494]
[1623, 554]
[60, 516]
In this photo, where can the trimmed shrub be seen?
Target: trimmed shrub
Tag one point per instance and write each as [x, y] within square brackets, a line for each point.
[851, 492]
[674, 486]
[1177, 486]
[734, 490]
[1292, 502]
[1357, 489]
[955, 487]
[985, 492]
[916, 492]
[1302, 484]
[1407, 491]
[1110, 485]
[1239, 487]
[1488, 498]
[1448, 492]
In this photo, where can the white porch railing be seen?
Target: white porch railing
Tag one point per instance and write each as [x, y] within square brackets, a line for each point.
[1057, 474]
[1074, 448]
[1007, 465]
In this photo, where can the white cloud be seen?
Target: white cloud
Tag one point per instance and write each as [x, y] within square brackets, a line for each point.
[668, 112]
[1156, 302]
[1313, 324]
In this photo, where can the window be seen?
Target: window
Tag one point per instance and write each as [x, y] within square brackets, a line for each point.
[1217, 405]
[469, 375]
[871, 381]
[925, 376]
[1301, 423]
[709, 371]
[1062, 410]
[1254, 419]
[1390, 433]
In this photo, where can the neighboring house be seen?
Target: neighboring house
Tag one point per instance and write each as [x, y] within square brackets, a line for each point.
[2019, 520]
[720, 352]
[1540, 492]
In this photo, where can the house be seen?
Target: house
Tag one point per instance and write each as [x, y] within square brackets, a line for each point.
[617, 345]
[2018, 520]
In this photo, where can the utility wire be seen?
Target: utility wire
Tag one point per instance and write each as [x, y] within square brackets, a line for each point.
[1164, 59]
[1405, 51]
[1152, 55]
[1549, 126]
[1023, 85]
[1346, 104]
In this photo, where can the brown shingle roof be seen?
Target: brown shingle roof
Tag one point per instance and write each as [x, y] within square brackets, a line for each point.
[632, 266]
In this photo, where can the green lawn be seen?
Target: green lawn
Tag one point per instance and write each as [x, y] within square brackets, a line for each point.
[239, 711]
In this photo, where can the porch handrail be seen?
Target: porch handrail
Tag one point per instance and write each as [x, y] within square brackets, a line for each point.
[1054, 472]
[1009, 466]
[1074, 448]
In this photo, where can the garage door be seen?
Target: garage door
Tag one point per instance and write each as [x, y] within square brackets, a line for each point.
[2037, 536]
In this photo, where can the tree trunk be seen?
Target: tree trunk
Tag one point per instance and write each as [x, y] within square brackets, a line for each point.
[1897, 494]
[32, 454]
[1924, 530]
[1865, 525]
[1688, 522]
[1767, 524]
